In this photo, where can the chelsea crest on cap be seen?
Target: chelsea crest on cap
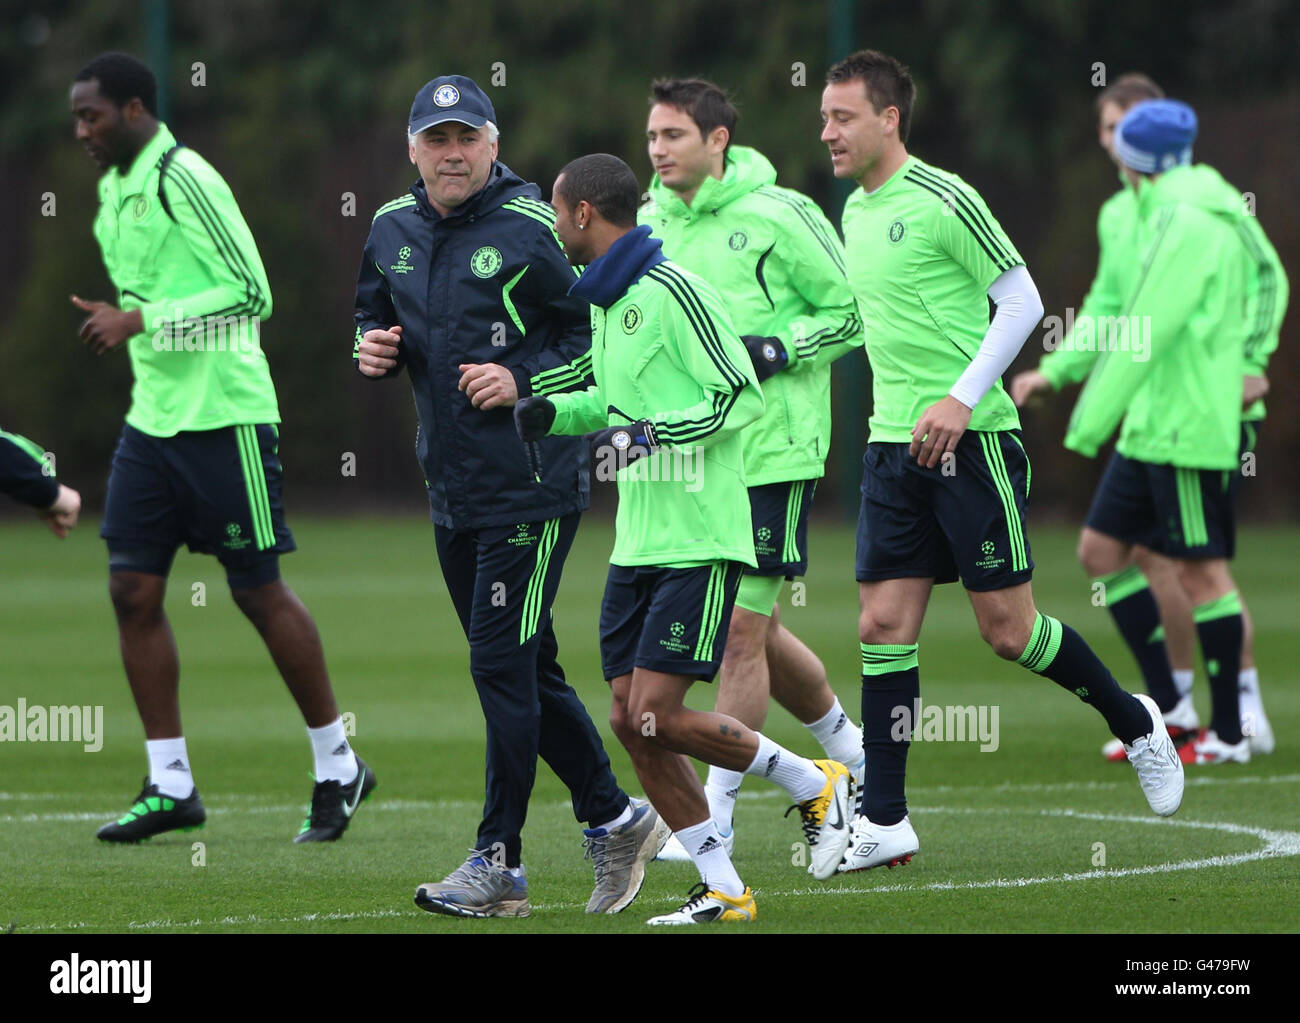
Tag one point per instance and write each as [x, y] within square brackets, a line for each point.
[450, 98]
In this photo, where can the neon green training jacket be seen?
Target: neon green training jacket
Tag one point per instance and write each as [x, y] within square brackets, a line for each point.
[1176, 383]
[663, 349]
[1118, 264]
[777, 261]
[195, 275]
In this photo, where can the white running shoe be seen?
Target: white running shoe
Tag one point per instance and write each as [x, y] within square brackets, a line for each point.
[675, 852]
[1210, 749]
[1255, 727]
[1159, 768]
[877, 845]
[1183, 716]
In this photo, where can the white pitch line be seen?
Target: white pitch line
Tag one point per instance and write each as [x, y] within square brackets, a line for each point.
[1277, 843]
[232, 921]
[1067, 786]
[764, 793]
[389, 805]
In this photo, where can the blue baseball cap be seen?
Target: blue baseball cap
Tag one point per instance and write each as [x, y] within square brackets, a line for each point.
[450, 98]
[1156, 135]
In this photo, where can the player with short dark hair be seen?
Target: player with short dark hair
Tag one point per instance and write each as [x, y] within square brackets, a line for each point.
[197, 462]
[673, 382]
[708, 106]
[887, 81]
[719, 212]
[946, 480]
[1145, 596]
[122, 78]
[604, 181]
[463, 283]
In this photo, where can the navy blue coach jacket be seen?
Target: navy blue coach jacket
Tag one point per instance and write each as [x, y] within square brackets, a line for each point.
[487, 283]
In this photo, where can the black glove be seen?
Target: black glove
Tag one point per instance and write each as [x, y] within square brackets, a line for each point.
[619, 446]
[767, 353]
[534, 416]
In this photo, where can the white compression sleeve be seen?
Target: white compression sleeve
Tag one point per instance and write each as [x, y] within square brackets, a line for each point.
[1018, 311]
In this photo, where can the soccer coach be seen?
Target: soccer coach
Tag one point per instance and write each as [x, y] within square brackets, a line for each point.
[463, 282]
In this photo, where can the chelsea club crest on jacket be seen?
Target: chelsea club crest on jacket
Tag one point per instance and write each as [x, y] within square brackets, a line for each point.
[486, 283]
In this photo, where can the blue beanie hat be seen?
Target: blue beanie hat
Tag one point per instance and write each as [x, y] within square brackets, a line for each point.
[1156, 135]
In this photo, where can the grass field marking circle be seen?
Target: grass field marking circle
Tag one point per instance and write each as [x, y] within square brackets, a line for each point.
[1277, 843]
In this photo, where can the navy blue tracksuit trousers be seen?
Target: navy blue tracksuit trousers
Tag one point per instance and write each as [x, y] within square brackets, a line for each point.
[503, 581]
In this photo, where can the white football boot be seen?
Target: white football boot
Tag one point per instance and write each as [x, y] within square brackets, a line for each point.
[1182, 724]
[1210, 749]
[1159, 768]
[878, 845]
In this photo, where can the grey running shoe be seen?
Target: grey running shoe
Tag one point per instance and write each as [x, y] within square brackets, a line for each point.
[619, 857]
[477, 888]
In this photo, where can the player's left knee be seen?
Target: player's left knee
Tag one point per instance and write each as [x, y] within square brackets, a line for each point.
[653, 722]
[619, 723]
[1204, 580]
[1007, 637]
[258, 603]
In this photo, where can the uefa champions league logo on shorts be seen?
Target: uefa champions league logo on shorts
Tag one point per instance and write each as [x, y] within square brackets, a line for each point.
[674, 643]
[987, 548]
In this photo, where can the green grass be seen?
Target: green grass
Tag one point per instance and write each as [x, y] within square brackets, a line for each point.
[1004, 835]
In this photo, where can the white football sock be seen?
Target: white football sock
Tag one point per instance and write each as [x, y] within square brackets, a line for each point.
[709, 855]
[1248, 696]
[335, 760]
[721, 790]
[1183, 681]
[839, 737]
[618, 821]
[800, 777]
[169, 767]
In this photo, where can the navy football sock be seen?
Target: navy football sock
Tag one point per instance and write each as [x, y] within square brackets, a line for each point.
[891, 685]
[1137, 617]
[1219, 628]
[1057, 652]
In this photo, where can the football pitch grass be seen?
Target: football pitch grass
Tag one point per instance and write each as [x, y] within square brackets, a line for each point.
[1037, 835]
